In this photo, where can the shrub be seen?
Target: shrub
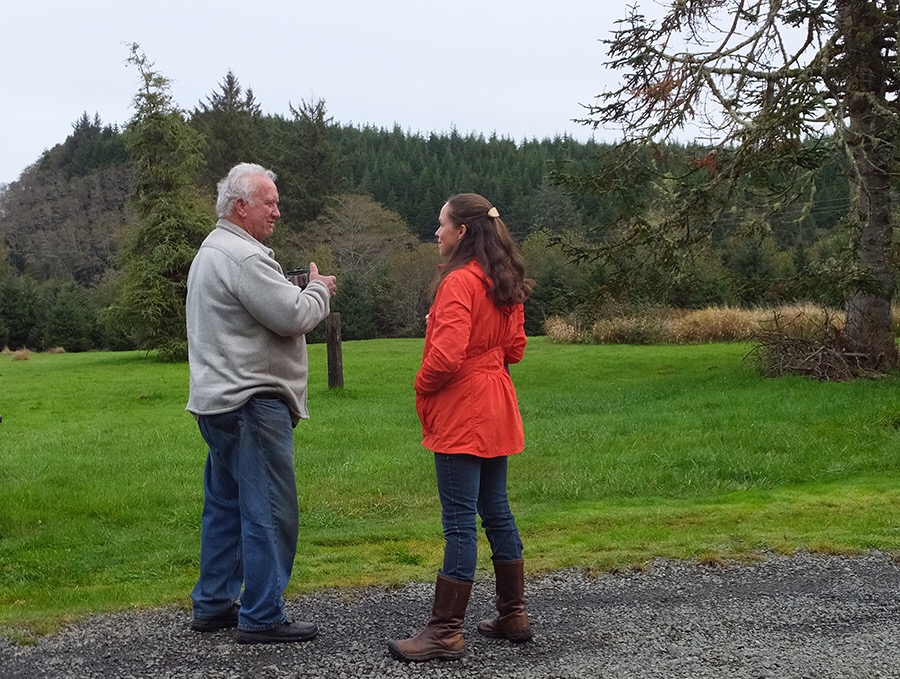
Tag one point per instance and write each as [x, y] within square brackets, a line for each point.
[174, 350]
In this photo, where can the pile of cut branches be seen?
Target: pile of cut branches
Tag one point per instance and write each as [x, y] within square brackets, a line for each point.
[811, 347]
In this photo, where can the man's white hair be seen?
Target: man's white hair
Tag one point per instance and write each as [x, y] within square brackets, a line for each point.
[240, 182]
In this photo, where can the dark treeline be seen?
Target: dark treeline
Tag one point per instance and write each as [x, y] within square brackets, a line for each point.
[363, 202]
[413, 174]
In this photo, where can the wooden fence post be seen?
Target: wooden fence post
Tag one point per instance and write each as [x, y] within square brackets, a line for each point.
[335, 358]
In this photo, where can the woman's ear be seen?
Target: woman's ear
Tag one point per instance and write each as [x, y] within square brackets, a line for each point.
[462, 231]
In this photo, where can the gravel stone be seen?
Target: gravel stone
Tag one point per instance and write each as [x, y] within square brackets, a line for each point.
[803, 615]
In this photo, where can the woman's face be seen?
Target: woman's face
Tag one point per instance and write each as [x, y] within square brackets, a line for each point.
[448, 234]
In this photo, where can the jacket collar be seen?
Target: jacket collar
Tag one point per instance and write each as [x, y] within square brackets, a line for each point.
[231, 227]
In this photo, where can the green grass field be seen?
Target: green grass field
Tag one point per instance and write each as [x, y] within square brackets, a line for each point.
[632, 452]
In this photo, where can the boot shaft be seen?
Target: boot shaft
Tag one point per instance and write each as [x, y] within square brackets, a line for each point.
[510, 587]
[451, 598]
[512, 617]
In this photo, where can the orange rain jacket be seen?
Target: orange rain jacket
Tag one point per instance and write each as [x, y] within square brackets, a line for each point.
[465, 397]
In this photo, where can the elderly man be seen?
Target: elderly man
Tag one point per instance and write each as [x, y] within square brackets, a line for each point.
[246, 328]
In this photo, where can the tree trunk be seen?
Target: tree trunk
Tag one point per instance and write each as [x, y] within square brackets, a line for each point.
[869, 327]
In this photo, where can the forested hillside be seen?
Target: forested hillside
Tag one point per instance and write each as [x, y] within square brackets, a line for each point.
[363, 203]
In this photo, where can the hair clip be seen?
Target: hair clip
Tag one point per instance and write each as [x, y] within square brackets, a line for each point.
[493, 212]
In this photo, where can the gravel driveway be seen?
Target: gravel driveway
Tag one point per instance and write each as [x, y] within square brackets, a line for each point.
[798, 616]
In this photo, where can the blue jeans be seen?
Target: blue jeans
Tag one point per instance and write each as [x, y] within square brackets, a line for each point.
[468, 485]
[250, 515]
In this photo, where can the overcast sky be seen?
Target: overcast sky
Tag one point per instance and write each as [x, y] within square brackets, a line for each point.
[520, 68]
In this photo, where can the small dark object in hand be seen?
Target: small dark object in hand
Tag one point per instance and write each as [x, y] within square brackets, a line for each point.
[299, 277]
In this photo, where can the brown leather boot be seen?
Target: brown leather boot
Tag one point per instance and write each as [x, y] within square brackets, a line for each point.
[442, 638]
[512, 619]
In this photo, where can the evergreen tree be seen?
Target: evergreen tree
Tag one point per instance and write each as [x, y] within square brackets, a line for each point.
[172, 219]
[68, 317]
[230, 122]
[301, 153]
[19, 312]
[91, 145]
[357, 309]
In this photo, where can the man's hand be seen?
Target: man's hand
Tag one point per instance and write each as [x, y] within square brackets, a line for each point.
[329, 282]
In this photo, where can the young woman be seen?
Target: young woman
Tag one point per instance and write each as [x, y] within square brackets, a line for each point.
[470, 418]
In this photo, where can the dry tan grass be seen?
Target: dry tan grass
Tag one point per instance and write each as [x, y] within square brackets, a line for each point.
[713, 324]
[21, 355]
[803, 321]
[56, 350]
[653, 328]
[559, 329]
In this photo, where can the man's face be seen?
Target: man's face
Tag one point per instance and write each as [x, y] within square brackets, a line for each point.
[258, 218]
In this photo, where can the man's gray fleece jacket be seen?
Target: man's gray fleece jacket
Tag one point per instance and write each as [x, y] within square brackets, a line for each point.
[246, 324]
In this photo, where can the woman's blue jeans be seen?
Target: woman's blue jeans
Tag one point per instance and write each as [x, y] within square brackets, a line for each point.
[250, 515]
[470, 485]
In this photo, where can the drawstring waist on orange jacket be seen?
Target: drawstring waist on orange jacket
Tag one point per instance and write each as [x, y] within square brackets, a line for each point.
[487, 362]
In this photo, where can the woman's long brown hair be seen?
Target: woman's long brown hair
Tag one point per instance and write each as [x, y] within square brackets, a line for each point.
[488, 241]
